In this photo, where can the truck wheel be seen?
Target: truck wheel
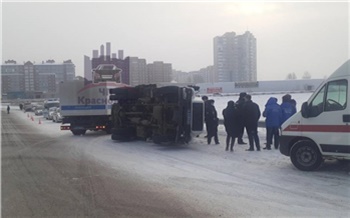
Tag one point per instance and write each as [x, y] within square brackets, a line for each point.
[167, 90]
[169, 93]
[123, 94]
[157, 139]
[79, 132]
[122, 91]
[108, 130]
[123, 134]
[305, 155]
[75, 132]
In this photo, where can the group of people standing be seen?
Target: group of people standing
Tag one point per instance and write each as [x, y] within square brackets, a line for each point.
[245, 114]
[276, 115]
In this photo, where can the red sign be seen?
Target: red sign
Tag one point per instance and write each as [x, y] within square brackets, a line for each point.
[214, 90]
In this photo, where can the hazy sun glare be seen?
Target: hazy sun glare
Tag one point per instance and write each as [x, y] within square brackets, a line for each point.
[250, 8]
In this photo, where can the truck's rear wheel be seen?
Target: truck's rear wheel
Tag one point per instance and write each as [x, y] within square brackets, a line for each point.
[305, 155]
[157, 139]
[79, 132]
[123, 134]
[169, 93]
[123, 94]
[108, 130]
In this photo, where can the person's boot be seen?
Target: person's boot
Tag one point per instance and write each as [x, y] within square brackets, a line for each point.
[268, 147]
[257, 144]
[241, 142]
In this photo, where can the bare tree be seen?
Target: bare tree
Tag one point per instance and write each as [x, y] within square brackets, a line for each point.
[291, 76]
[306, 75]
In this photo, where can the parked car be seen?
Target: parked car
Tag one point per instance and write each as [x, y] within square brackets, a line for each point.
[38, 111]
[56, 116]
[46, 113]
[28, 107]
[50, 113]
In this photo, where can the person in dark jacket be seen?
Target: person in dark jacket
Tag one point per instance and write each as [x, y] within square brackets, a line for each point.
[273, 114]
[212, 122]
[294, 104]
[287, 108]
[8, 109]
[240, 105]
[251, 115]
[205, 100]
[231, 124]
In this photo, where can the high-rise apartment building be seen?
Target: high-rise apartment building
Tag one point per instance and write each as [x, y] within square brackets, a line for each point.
[235, 58]
[31, 80]
[87, 68]
[137, 69]
[159, 72]
[108, 49]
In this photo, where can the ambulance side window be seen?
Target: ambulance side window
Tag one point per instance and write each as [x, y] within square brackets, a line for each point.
[316, 106]
[336, 96]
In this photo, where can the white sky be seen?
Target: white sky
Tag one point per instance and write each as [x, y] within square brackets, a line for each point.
[291, 36]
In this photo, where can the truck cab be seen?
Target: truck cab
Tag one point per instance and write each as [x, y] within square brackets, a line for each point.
[321, 129]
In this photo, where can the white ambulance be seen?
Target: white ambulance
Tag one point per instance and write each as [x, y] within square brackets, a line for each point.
[322, 128]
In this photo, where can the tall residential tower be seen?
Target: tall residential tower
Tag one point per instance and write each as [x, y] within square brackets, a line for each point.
[235, 58]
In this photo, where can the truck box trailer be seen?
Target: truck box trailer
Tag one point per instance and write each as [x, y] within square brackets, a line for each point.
[86, 106]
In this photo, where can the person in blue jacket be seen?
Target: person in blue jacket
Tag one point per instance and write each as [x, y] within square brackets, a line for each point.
[273, 114]
[288, 108]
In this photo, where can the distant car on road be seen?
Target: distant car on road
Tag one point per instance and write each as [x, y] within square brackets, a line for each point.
[50, 103]
[28, 107]
[50, 113]
[56, 116]
[38, 111]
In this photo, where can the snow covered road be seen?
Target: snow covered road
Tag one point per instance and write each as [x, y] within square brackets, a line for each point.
[196, 180]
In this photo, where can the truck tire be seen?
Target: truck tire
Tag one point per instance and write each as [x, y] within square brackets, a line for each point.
[167, 90]
[123, 134]
[108, 130]
[170, 94]
[123, 94]
[306, 156]
[78, 132]
[157, 139]
[122, 91]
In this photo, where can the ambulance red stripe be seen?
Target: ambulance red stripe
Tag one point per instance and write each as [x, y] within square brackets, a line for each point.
[317, 128]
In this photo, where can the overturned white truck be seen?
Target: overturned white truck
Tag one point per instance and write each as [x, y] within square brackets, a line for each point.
[162, 114]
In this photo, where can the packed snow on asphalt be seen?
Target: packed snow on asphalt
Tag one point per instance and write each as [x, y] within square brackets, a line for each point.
[217, 182]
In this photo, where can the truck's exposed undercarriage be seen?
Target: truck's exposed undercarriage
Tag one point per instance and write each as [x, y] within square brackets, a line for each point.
[164, 114]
